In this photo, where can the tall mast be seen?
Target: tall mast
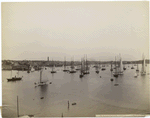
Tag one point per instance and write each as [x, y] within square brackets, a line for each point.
[72, 64]
[65, 63]
[115, 66]
[52, 65]
[86, 64]
[40, 76]
[111, 65]
[143, 63]
[81, 66]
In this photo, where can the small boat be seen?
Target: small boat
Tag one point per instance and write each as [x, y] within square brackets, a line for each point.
[115, 74]
[97, 71]
[103, 65]
[42, 80]
[116, 84]
[78, 68]
[32, 69]
[53, 67]
[124, 68]
[135, 75]
[111, 67]
[97, 68]
[72, 71]
[42, 97]
[86, 68]
[143, 70]
[74, 103]
[53, 71]
[82, 69]
[132, 67]
[50, 83]
[120, 71]
[137, 68]
[72, 67]
[103, 69]
[65, 70]
[28, 71]
[14, 78]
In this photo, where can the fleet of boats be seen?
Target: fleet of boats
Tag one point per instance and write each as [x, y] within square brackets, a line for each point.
[84, 67]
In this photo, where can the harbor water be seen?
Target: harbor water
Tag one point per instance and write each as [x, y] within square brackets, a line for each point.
[92, 94]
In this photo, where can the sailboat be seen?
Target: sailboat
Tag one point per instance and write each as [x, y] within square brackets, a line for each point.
[43, 81]
[72, 67]
[103, 68]
[111, 67]
[65, 70]
[137, 68]
[32, 69]
[124, 68]
[135, 75]
[86, 71]
[78, 68]
[97, 68]
[82, 69]
[143, 71]
[120, 67]
[116, 69]
[16, 78]
[132, 66]
[53, 67]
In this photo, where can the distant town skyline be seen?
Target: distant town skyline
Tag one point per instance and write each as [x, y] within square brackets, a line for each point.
[101, 30]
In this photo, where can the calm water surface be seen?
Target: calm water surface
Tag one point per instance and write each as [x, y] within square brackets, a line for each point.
[93, 95]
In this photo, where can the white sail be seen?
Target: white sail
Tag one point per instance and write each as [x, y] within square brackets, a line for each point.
[32, 69]
[135, 75]
[143, 65]
[43, 76]
[121, 65]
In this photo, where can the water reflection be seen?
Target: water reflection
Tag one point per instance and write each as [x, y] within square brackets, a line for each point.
[43, 90]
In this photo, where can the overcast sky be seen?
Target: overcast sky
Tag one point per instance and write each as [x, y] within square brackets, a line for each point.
[101, 30]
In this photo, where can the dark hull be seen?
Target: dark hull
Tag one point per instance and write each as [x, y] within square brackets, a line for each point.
[14, 79]
[103, 69]
[111, 69]
[77, 69]
[86, 73]
[124, 68]
[137, 70]
[97, 72]
[72, 71]
[53, 71]
[115, 75]
[132, 68]
[65, 70]
[81, 76]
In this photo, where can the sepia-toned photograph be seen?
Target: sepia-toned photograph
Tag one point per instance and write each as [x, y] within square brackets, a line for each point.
[75, 59]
